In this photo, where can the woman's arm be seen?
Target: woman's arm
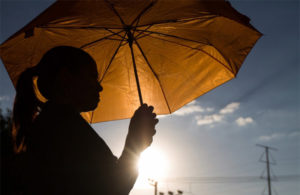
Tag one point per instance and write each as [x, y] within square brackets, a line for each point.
[141, 131]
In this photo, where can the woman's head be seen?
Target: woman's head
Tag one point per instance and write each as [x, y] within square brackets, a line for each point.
[65, 75]
[69, 75]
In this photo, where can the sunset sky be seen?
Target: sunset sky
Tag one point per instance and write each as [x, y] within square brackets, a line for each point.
[216, 135]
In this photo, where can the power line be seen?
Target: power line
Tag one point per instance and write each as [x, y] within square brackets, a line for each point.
[235, 179]
[242, 180]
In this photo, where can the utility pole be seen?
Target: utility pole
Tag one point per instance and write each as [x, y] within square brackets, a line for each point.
[267, 148]
[153, 183]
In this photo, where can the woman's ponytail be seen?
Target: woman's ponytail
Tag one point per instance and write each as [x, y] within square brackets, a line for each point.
[25, 108]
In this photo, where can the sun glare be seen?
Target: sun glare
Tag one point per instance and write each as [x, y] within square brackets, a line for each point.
[152, 165]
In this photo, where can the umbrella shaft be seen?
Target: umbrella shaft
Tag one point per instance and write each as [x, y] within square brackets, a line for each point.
[135, 70]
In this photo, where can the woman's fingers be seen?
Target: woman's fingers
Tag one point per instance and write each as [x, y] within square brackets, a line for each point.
[150, 108]
[156, 121]
[153, 115]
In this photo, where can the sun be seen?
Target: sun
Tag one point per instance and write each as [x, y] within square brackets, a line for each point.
[152, 165]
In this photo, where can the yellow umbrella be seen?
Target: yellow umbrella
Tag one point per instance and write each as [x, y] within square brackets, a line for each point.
[162, 52]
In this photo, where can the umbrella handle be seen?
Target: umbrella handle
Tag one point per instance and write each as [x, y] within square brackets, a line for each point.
[130, 40]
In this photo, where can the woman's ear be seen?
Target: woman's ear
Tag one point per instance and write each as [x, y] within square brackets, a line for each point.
[64, 77]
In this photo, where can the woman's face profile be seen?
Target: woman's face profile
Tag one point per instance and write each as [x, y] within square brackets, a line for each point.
[82, 89]
[88, 87]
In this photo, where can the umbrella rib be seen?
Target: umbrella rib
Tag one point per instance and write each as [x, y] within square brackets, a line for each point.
[163, 22]
[117, 34]
[79, 27]
[173, 36]
[101, 39]
[140, 33]
[74, 27]
[135, 27]
[92, 117]
[137, 19]
[195, 49]
[156, 76]
[144, 35]
[113, 39]
[223, 57]
[112, 58]
[115, 11]
[176, 20]
[141, 13]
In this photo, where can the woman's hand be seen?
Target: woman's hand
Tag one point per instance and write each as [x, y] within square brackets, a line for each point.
[141, 129]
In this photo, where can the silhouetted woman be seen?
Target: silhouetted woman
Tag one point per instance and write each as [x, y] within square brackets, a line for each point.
[60, 153]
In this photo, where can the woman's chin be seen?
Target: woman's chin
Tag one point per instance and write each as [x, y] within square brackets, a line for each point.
[90, 106]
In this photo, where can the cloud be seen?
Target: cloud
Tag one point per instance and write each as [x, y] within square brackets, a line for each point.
[190, 108]
[294, 134]
[219, 116]
[244, 121]
[192, 102]
[230, 108]
[209, 109]
[274, 136]
[4, 98]
[209, 119]
[277, 136]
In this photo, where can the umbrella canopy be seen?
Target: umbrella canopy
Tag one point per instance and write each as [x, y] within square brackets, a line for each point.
[175, 50]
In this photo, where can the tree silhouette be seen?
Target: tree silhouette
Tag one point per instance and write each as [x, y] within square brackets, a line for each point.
[5, 128]
[6, 150]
